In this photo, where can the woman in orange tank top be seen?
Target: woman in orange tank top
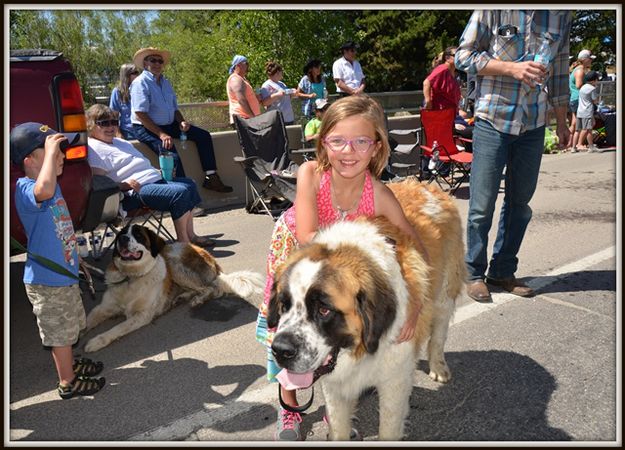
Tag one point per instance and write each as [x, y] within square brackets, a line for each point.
[241, 96]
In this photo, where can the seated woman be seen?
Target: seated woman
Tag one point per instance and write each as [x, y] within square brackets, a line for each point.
[120, 99]
[141, 183]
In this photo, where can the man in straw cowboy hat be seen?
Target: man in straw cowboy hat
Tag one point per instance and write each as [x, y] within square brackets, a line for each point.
[157, 120]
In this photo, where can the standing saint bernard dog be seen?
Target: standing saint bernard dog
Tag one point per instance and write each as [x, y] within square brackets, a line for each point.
[342, 300]
[147, 277]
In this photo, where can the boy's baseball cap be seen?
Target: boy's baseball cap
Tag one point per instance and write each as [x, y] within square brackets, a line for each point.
[321, 103]
[27, 137]
[591, 76]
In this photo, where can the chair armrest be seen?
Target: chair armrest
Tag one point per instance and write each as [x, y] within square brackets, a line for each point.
[404, 132]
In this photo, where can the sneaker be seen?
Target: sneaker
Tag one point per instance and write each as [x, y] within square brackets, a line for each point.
[574, 150]
[592, 149]
[214, 183]
[288, 426]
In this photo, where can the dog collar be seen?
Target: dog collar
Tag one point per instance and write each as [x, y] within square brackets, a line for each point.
[322, 370]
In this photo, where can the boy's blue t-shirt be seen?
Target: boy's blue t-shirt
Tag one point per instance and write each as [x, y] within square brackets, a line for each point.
[50, 234]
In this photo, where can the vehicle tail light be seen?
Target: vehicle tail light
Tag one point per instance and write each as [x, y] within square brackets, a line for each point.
[78, 152]
[70, 113]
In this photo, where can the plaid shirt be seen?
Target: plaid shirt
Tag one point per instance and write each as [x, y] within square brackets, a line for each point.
[511, 106]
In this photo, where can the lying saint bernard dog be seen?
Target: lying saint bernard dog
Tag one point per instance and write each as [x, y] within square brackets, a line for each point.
[147, 277]
[342, 300]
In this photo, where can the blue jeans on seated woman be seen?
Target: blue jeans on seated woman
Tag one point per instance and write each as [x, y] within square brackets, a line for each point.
[202, 139]
[178, 197]
[520, 156]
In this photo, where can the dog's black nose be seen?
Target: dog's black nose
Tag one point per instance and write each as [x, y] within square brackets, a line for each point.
[284, 347]
[123, 239]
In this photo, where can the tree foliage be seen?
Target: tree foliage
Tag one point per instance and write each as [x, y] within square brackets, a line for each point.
[396, 46]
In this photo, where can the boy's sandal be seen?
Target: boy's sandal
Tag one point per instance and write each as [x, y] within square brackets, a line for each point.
[81, 386]
[86, 367]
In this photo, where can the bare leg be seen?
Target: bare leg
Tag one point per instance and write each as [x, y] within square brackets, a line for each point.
[182, 227]
[289, 397]
[64, 362]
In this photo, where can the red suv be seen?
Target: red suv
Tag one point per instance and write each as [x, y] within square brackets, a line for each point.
[44, 89]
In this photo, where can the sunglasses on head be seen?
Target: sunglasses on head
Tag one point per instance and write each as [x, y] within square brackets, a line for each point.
[155, 60]
[107, 123]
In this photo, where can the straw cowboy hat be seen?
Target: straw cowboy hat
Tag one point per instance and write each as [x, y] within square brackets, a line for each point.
[143, 52]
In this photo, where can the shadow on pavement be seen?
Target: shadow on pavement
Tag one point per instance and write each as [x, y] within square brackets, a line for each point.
[493, 396]
[137, 398]
[582, 281]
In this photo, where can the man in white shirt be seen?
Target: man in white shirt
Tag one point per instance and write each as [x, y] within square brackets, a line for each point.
[347, 72]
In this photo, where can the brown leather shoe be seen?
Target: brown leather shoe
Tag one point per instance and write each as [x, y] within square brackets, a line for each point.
[214, 183]
[513, 286]
[478, 291]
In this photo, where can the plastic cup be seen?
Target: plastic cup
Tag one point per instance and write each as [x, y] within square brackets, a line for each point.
[166, 161]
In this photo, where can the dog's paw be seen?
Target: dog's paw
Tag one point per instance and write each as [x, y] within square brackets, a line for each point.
[95, 344]
[439, 371]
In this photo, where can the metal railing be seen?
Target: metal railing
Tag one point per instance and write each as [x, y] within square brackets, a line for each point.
[213, 116]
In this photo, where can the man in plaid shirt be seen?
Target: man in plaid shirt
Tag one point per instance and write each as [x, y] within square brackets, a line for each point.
[513, 94]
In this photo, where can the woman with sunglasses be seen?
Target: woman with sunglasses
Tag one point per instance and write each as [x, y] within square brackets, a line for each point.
[120, 99]
[141, 183]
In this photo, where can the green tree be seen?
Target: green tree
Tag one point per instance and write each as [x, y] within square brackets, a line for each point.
[398, 46]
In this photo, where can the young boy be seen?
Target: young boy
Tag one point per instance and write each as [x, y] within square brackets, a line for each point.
[585, 111]
[55, 297]
[311, 132]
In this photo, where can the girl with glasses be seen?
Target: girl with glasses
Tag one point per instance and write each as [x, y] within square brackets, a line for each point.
[342, 184]
[120, 99]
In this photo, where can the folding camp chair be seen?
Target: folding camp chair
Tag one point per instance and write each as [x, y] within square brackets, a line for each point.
[438, 125]
[405, 158]
[270, 174]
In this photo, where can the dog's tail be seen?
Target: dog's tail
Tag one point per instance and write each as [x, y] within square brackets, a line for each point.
[243, 283]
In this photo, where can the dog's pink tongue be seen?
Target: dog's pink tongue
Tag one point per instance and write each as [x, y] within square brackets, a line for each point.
[291, 380]
[127, 253]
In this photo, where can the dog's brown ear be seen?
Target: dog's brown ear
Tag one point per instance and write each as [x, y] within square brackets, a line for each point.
[156, 242]
[274, 308]
[377, 309]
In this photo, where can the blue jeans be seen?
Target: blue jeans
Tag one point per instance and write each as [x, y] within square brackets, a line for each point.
[128, 135]
[520, 156]
[202, 139]
[177, 197]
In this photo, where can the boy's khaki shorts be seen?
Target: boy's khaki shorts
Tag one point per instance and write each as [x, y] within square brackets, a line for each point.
[60, 313]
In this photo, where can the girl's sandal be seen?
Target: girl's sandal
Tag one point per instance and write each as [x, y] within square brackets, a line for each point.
[80, 386]
[86, 367]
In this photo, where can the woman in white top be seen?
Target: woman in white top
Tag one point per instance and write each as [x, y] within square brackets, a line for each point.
[275, 94]
[142, 184]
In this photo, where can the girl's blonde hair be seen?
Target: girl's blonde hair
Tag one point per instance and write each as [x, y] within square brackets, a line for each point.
[368, 109]
[99, 112]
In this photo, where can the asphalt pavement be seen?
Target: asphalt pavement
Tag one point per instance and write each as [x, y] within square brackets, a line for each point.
[545, 369]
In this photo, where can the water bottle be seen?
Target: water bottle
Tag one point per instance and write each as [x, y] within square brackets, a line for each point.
[183, 139]
[95, 245]
[543, 56]
[434, 159]
[83, 250]
[325, 93]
